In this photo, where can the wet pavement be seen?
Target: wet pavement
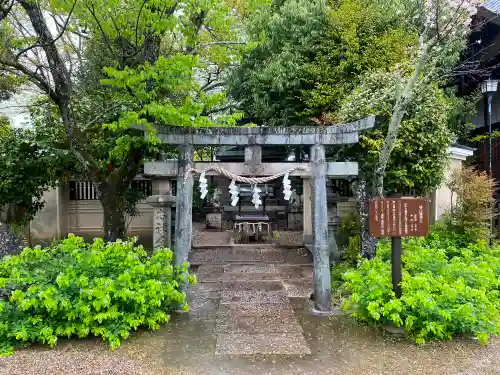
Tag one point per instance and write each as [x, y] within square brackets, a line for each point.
[338, 345]
[255, 315]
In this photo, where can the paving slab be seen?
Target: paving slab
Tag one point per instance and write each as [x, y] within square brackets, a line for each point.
[297, 256]
[253, 285]
[211, 290]
[255, 324]
[249, 268]
[206, 256]
[292, 271]
[209, 273]
[203, 308]
[298, 288]
[287, 343]
[273, 255]
[230, 296]
[227, 277]
[255, 309]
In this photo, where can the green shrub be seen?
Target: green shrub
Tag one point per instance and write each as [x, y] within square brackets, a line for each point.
[444, 293]
[79, 289]
[348, 237]
[338, 288]
[472, 203]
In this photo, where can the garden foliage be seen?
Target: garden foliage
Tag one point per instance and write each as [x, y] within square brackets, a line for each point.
[472, 203]
[448, 289]
[78, 289]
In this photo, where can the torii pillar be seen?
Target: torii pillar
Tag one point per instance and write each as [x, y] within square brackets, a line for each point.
[184, 205]
[321, 250]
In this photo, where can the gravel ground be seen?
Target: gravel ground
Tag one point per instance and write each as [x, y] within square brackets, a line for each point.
[187, 346]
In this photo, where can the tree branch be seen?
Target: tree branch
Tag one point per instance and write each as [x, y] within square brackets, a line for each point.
[33, 77]
[137, 23]
[104, 35]
[397, 117]
[54, 40]
[222, 42]
[216, 110]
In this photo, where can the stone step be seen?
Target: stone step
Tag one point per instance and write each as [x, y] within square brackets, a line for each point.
[283, 343]
[255, 285]
[250, 297]
[258, 324]
[209, 273]
[249, 268]
[224, 255]
[228, 277]
[299, 288]
[203, 308]
[206, 290]
[287, 271]
[255, 309]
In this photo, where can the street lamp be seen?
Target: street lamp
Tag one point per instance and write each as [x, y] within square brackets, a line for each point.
[488, 88]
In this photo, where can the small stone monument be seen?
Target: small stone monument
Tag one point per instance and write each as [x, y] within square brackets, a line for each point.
[214, 218]
[295, 217]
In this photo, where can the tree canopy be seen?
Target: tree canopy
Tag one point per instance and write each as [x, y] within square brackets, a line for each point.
[109, 71]
[322, 63]
[310, 55]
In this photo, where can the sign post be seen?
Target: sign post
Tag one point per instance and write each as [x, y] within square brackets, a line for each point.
[397, 266]
[397, 218]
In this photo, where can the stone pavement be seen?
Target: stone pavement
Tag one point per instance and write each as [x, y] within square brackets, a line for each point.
[252, 287]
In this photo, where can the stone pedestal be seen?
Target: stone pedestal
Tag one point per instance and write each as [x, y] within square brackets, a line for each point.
[162, 220]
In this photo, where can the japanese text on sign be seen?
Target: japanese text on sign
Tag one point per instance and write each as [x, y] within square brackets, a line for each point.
[399, 217]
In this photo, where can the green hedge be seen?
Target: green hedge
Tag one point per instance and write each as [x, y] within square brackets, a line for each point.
[79, 289]
[447, 289]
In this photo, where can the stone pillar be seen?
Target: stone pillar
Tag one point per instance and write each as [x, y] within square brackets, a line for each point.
[62, 210]
[184, 206]
[162, 202]
[333, 222]
[321, 252]
[307, 211]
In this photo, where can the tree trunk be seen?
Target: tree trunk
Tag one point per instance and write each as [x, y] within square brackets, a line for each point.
[113, 205]
[367, 242]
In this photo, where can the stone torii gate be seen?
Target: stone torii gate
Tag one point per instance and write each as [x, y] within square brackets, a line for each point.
[314, 173]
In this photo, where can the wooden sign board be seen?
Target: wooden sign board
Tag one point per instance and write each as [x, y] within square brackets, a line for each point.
[399, 217]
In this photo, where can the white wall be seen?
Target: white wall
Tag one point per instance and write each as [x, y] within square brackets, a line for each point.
[441, 199]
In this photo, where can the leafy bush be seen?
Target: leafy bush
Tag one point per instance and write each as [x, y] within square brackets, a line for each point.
[348, 237]
[79, 289]
[339, 290]
[472, 203]
[446, 290]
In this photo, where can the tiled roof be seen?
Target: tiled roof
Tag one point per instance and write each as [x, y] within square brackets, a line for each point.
[492, 6]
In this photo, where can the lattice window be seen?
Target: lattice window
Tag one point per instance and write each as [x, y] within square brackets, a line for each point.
[85, 190]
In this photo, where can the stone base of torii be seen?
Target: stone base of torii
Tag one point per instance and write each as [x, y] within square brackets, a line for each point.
[314, 174]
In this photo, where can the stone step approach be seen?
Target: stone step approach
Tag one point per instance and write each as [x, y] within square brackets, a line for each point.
[255, 315]
[248, 255]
